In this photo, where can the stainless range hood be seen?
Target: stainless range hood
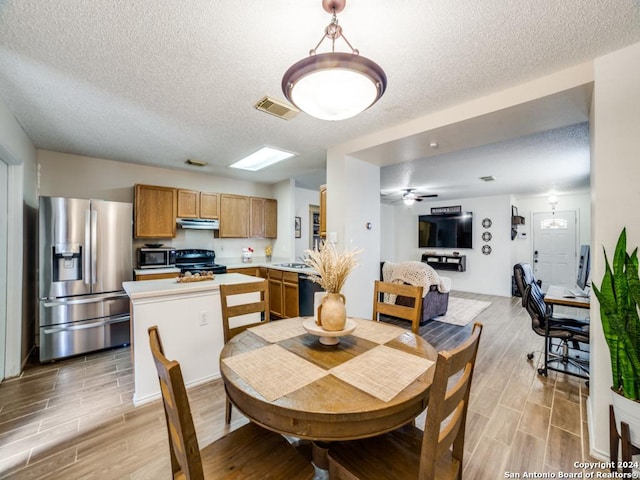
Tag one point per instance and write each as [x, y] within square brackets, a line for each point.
[198, 223]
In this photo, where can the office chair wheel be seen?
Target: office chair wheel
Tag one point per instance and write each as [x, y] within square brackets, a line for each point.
[542, 371]
[530, 356]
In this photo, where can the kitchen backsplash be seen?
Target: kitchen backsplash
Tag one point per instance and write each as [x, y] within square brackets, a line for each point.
[224, 247]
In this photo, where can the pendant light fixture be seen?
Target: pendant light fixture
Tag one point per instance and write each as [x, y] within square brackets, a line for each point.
[334, 85]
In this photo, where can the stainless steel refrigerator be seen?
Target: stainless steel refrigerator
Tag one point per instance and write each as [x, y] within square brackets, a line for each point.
[85, 253]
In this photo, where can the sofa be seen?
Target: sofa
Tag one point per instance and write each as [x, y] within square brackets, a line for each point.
[434, 302]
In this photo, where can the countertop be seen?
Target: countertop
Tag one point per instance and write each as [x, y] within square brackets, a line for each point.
[169, 286]
[262, 262]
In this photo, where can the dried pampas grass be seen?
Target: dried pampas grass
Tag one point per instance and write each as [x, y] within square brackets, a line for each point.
[333, 268]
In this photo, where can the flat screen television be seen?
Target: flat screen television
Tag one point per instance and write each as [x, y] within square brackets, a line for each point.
[450, 230]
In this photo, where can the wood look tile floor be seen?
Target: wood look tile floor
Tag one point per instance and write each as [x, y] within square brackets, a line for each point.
[74, 419]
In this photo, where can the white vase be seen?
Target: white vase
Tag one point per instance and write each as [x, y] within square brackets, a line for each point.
[627, 411]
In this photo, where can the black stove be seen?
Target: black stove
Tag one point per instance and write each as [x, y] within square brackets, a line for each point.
[198, 261]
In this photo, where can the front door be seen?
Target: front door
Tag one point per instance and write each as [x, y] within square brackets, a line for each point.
[554, 248]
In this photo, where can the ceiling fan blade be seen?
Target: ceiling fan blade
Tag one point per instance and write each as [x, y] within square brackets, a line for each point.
[431, 195]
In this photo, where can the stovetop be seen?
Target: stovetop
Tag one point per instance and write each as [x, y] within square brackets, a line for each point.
[197, 260]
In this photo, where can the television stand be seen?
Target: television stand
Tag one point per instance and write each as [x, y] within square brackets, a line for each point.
[452, 263]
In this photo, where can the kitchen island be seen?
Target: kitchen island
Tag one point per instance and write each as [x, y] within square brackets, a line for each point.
[189, 318]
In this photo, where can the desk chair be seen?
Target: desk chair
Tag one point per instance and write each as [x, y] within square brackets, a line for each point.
[523, 275]
[408, 452]
[411, 313]
[563, 329]
[249, 452]
[231, 308]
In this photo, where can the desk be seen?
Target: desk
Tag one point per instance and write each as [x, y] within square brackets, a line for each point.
[282, 378]
[555, 296]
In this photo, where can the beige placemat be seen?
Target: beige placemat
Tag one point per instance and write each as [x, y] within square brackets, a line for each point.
[382, 371]
[273, 371]
[278, 330]
[377, 332]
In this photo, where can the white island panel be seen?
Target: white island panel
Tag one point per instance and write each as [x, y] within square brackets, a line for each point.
[189, 319]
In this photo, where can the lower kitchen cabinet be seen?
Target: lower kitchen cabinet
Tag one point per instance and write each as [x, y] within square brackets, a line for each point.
[276, 297]
[283, 293]
[155, 276]
[245, 270]
[290, 294]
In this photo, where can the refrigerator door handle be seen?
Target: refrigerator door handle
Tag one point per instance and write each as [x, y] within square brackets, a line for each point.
[87, 242]
[93, 299]
[94, 249]
[101, 323]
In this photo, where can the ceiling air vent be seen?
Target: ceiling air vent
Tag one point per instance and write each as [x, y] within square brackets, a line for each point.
[277, 108]
[488, 178]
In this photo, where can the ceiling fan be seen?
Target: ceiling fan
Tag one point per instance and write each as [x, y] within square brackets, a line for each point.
[409, 196]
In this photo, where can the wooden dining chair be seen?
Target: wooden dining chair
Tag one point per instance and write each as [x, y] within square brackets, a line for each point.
[411, 313]
[249, 452]
[408, 452]
[238, 307]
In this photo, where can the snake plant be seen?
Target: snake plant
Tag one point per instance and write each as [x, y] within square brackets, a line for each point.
[619, 297]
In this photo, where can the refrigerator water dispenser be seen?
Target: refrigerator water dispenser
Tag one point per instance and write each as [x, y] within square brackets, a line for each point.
[67, 262]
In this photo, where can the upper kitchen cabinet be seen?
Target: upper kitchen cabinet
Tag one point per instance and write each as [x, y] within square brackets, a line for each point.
[193, 204]
[155, 211]
[263, 218]
[234, 216]
[209, 205]
[323, 211]
[188, 204]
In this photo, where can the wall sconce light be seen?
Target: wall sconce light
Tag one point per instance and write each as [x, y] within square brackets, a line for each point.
[553, 201]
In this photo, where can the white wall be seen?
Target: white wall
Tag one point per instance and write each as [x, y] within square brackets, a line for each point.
[488, 274]
[388, 233]
[362, 207]
[68, 175]
[615, 171]
[19, 153]
[304, 199]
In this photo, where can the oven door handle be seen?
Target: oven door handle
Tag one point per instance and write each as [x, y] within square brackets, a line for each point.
[101, 323]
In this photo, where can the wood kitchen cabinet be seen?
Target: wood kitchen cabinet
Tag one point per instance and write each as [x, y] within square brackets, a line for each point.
[270, 218]
[155, 211]
[283, 293]
[234, 216]
[263, 218]
[276, 297]
[188, 204]
[154, 276]
[209, 205]
[245, 270]
[323, 211]
[290, 294]
[193, 204]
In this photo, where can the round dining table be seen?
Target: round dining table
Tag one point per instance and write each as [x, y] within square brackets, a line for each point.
[376, 379]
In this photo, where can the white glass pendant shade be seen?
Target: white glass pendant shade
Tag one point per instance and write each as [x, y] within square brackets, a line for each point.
[334, 86]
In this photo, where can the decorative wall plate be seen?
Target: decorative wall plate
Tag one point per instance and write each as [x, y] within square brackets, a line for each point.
[486, 249]
[486, 223]
[486, 236]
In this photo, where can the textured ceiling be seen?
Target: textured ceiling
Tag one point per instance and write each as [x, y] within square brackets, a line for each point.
[159, 82]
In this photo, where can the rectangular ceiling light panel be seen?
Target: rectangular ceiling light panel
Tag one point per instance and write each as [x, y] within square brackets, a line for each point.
[262, 158]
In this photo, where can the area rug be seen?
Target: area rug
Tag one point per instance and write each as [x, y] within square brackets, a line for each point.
[462, 311]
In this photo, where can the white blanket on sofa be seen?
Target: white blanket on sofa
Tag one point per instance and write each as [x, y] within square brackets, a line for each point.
[413, 273]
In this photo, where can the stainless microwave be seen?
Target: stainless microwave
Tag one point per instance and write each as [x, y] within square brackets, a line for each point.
[160, 257]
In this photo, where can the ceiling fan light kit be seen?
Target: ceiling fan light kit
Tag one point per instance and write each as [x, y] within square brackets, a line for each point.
[335, 85]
